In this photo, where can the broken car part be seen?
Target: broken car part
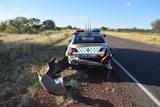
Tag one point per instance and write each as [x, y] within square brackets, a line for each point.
[54, 86]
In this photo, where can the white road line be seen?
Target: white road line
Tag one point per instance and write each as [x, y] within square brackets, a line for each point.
[150, 95]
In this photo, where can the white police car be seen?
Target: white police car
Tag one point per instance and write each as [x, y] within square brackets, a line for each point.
[90, 48]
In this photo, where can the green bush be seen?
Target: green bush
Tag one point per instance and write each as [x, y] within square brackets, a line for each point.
[11, 29]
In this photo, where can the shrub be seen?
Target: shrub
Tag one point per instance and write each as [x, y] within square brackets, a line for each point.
[11, 29]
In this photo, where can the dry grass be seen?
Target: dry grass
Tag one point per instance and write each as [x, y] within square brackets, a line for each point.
[15, 46]
[19, 37]
[149, 38]
[2, 34]
[18, 77]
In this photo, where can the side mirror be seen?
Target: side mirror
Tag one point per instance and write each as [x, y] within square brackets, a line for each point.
[104, 35]
[69, 41]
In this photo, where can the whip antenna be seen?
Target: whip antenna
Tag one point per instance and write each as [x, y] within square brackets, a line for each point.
[88, 25]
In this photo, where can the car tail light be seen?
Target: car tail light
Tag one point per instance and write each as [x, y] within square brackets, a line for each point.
[72, 50]
[80, 31]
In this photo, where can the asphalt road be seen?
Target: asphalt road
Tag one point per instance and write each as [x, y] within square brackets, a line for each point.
[143, 62]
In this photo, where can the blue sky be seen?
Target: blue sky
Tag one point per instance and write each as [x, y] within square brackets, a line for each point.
[108, 13]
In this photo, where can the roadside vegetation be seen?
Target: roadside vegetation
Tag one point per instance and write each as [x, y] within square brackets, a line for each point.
[15, 46]
[23, 25]
[22, 58]
[148, 38]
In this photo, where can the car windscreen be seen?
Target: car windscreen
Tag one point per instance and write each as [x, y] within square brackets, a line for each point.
[89, 39]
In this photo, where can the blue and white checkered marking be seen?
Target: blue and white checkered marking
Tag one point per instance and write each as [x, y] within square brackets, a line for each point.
[88, 49]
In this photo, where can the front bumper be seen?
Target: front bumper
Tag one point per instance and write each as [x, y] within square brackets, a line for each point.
[73, 60]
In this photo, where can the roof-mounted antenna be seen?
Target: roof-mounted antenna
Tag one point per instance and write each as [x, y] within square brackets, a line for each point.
[88, 27]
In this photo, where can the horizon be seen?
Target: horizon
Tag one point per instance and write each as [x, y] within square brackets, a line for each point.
[108, 13]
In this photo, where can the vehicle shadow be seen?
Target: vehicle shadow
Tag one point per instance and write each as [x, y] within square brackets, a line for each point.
[143, 65]
[99, 75]
[93, 102]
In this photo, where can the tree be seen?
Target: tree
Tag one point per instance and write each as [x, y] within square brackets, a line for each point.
[156, 26]
[18, 23]
[34, 21]
[21, 20]
[34, 24]
[57, 28]
[15, 22]
[49, 24]
[103, 28]
[25, 29]
[11, 29]
[69, 27]
[2, 27]
[23, 25]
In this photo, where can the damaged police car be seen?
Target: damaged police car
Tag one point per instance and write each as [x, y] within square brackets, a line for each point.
[89, 48]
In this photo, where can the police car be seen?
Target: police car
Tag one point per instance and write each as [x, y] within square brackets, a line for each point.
[89, 47]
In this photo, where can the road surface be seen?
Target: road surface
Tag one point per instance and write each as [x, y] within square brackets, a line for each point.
[142, 61]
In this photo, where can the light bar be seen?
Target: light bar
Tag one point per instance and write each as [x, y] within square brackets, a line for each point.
[80, 31]
[96, 30]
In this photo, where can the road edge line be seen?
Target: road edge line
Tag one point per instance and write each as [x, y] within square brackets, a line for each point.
[150, 95]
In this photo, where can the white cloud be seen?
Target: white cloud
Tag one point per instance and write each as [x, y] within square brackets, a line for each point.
[1, 6]
[128, 4]
[16, 8]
